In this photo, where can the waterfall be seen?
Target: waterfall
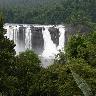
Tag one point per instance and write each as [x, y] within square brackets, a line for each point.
[49, 47]
[9, 32]
[28, 44]
[39, 38]
[15, 33]
[15, 37]
[61, 38]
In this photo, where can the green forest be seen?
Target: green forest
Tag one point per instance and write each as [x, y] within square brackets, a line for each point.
[48, 11]
[73, 74]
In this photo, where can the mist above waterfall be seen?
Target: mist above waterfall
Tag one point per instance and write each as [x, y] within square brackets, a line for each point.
[45, 40]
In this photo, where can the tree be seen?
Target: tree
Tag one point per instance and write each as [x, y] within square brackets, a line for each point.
[7, 54]
[80, 59]
[81, 56]
[60, 58]
[25, 72]
[56, 80]
[52, 12]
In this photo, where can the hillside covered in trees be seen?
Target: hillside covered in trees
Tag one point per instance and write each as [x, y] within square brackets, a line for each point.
[27, 3]
[48, 11]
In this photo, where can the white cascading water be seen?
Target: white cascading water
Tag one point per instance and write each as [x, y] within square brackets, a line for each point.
[9, 32]
[28, 34]
[12, 32]
[15, 34]
[49, 47]
[61, 38]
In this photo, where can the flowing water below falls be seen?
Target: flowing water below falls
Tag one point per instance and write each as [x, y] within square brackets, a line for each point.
[45, 40]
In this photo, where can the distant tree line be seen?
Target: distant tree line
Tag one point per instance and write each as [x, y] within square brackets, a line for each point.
[63, 11]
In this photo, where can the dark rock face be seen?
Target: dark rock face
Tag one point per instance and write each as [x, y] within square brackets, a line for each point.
[21, 37]
[54, 35]
[74, 29]
[37, 40]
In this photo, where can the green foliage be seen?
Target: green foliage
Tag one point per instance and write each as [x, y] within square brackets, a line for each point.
[24, 73]
[81, 59]
[50, 11]
[28, 59]
[82, 47]
[56, 80]
[7, 53]
[86, 73]
[60, 58]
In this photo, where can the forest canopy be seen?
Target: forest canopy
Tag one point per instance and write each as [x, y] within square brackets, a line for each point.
[48, 11]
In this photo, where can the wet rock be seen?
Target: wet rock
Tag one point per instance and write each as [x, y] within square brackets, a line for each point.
[54, 35]
[37, 39]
